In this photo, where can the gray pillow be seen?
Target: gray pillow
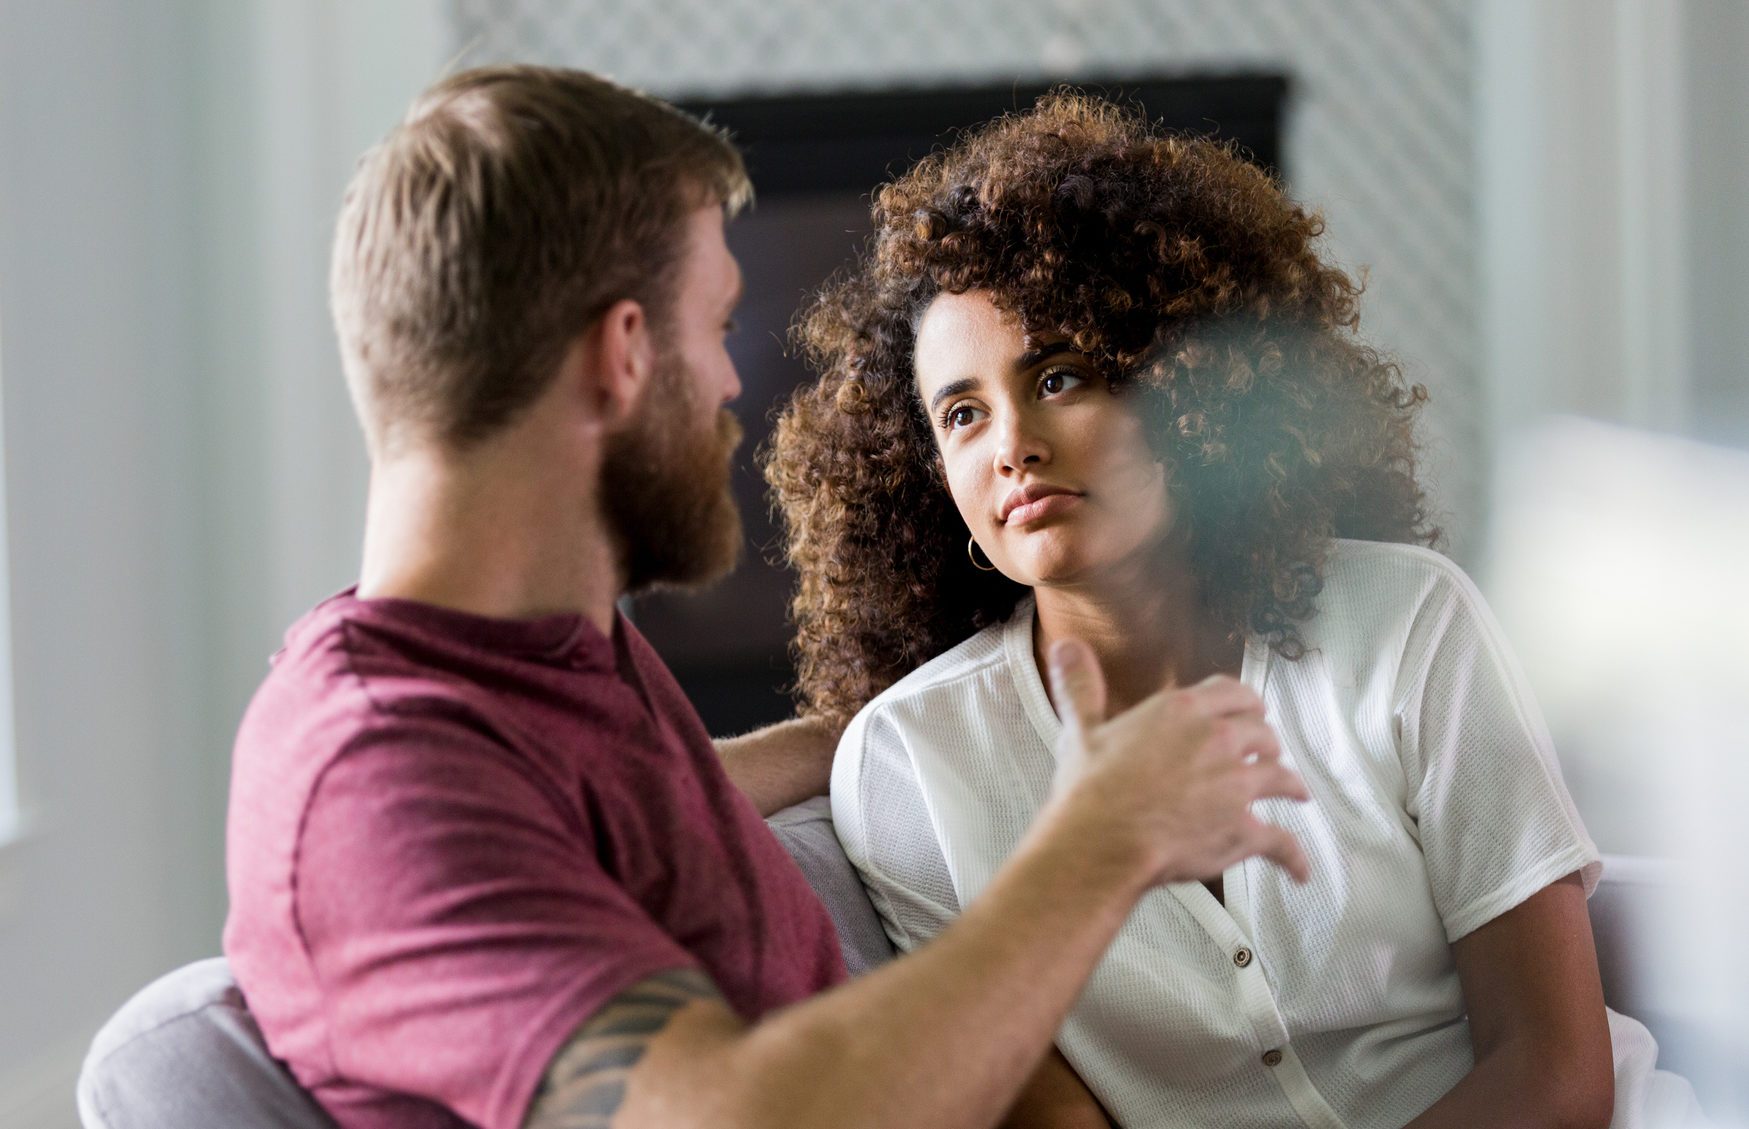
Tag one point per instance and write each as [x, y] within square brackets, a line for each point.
[806, 832]
[186, 1054]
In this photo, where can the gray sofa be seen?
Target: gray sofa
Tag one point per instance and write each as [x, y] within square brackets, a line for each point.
[185, 1051]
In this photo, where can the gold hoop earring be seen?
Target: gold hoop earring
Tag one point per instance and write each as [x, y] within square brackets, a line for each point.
[972, 552]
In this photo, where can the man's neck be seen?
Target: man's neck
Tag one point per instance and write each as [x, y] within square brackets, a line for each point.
[503, 531]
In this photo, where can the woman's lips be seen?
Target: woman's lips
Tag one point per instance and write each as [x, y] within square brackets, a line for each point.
[1048, 506]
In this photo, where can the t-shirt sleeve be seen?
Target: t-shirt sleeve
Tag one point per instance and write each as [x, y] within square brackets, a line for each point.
[884, 825]
[457, 920]
[1484, 788]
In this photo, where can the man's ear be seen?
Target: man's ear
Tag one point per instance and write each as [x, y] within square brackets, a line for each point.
[622, 355]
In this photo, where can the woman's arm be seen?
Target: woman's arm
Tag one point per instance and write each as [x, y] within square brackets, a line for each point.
[1056, 1098]
[1537, 1022]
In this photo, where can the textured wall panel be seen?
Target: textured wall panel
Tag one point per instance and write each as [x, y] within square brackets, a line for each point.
[1380, 134]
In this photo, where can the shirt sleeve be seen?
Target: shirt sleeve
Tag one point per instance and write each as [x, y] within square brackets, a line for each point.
[1484, 788]
[884, 826]
[457, 919]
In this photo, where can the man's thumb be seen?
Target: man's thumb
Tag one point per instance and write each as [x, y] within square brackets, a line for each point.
[1077, 684]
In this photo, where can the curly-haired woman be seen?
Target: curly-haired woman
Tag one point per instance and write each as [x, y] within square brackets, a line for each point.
[1094, 381]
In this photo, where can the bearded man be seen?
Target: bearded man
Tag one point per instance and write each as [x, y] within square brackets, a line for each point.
[486, 866]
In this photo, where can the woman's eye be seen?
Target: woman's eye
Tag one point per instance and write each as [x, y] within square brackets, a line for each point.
[1059, 380]
[960, 415]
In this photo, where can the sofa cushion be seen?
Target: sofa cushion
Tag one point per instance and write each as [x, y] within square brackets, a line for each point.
[186, 1052]
[806, 832]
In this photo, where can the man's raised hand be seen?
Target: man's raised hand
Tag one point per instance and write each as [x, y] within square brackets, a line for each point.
[1179, 771]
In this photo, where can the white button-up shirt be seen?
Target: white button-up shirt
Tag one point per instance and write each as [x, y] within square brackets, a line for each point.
[1437, 805]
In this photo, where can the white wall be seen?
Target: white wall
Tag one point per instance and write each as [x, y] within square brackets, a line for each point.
[97, 292]
[181, 473]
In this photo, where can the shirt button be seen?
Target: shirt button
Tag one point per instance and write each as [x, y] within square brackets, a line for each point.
[1272, 1058]
[1242, 958]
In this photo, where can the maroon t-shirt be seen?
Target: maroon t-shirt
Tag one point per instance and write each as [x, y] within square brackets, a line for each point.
[452, 839]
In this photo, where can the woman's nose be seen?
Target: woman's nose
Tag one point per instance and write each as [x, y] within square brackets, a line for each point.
[1018, 444]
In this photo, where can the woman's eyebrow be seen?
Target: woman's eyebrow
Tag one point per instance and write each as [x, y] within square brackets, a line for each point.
[1032, 358]
[951, 388]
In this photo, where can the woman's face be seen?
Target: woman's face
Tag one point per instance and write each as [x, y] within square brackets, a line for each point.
[1050, 469]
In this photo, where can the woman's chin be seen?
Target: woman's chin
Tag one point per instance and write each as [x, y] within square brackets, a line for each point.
[1059, 562]
[1053, 571]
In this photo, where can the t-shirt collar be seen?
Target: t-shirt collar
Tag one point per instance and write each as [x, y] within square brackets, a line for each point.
[564, 638]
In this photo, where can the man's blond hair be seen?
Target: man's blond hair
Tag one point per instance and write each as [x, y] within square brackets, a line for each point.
[508, 210]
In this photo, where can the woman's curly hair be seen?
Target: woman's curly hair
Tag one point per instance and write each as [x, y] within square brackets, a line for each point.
[1177, 268]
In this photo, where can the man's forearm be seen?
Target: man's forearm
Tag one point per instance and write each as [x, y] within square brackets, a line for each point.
[781, 764]
[948, 1035]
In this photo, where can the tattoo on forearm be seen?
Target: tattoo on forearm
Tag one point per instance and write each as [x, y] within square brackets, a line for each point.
[586, 1082]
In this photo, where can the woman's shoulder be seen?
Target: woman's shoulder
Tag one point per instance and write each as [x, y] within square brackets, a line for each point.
[1377, 598]
[875, 753]
[968, 684]
[1370, 581]
[967, 659]
[1388, 561]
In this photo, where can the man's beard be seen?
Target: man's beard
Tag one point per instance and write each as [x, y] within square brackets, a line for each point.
[665, 488]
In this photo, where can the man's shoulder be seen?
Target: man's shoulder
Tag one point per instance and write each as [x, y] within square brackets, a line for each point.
[393, 711]
[336, 681]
